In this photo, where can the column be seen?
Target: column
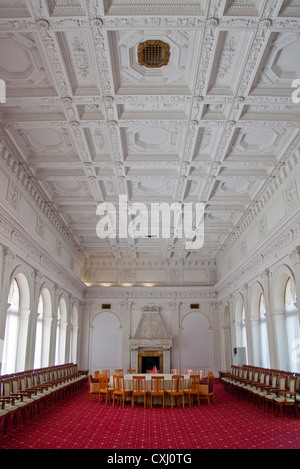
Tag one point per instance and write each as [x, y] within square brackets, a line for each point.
[24, 315]
[126, 318]
[265, 278]
[37, 282]
[233, 334]
[255, 327]
[7, 258]
[175, 326]
[282, 361]
[7, 266]
[56, 294]
[249, 332]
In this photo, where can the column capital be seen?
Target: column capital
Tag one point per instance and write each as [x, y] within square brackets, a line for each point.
[295, 256]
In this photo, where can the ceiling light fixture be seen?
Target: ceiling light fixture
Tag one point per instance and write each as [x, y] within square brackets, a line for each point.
[153, 54]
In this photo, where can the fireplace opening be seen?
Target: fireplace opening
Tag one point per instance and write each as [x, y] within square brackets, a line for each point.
[148, 359]
[148, 363]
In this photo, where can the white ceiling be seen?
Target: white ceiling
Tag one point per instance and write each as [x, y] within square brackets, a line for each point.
[90, 123]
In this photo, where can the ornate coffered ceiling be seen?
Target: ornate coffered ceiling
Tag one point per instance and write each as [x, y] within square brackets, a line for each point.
[89, 123]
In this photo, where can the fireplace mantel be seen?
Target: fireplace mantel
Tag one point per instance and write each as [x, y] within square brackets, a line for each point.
[137, 345]
[151, 335]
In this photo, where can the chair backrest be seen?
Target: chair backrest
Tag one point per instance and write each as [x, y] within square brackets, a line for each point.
[118, 371]
[118, 383]
[157, 384]
[139, 384]
[189, 372]
[103, 381]
[175, 371]
[282, 383]
[93, 380]
[15, 385]
[23, 383]
[6, 387]
[297, 375]
[274, 381]
[211, 384]
[107, 373]
[292, 384]
[177, 383]
[194, 382]
[131, 372]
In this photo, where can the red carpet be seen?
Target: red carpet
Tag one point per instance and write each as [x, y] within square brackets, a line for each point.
[230, 423]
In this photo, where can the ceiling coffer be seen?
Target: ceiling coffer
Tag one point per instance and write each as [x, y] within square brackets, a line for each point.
[153, 54]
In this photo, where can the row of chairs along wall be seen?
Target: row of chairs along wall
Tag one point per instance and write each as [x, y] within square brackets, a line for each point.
[268, 388]
[25, 393]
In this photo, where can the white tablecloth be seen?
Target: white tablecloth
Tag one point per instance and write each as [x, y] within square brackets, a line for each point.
[168, 377]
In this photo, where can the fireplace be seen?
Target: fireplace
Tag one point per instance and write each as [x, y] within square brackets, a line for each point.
[148, 359]
[150, 341]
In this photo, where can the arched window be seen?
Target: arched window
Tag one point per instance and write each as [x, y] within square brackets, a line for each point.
[16, 326]
[264, 341]
[10, 346]
[240, 328]
[292, 324]
[61, 330]
[43, 330]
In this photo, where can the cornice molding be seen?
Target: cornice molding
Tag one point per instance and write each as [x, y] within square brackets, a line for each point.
[280, 243]
[28, 248]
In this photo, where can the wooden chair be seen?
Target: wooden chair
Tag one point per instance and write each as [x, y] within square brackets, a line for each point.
[157, 389]
[119, 391]
[35, 392]
[273, 393]
[263, 389]
[139, 389]
[207, 391]
[177, 389]
[8, 403]
[4, 415]
[189, 372]
[104, 389]
[119, 371]
[131, 372]
[175, 371]
[193, 389]
[94, 387]
[255, 389]
[107, 373]
[21, 399]
[287, 398]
